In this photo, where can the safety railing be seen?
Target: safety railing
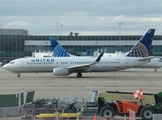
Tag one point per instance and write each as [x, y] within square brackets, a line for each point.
[55, 114]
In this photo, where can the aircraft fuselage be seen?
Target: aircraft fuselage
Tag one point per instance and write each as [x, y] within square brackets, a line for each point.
[47, 64]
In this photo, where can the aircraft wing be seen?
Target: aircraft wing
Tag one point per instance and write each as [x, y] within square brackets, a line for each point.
[146, 58]
[84, 67]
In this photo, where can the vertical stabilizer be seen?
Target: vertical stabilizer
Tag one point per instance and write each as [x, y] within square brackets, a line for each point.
[58, 50]
[142, 47]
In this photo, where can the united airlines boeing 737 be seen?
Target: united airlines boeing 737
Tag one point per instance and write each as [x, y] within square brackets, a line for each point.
[63, 66]
[59, 51]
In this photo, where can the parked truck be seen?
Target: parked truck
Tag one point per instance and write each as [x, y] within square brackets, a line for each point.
[111, 103]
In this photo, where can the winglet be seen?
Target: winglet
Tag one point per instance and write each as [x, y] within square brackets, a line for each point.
[142, 47]
[58, 50]
[99, 58]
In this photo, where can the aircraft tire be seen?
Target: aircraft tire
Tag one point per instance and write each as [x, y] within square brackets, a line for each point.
[79, 75]
[18, 75]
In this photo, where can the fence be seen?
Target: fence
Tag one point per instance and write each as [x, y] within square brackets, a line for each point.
[29, 114]
[16, 100]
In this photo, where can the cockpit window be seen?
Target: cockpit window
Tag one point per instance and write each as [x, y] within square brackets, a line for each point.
[12, 62]
[160, 60]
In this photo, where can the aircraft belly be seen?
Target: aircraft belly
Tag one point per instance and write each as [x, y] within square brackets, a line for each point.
[38, 69]
[15, 69]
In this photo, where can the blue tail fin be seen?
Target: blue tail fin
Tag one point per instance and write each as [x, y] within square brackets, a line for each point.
[142, 47]
[58, 50]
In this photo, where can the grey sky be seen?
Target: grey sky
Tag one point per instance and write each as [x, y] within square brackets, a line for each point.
[88, 17]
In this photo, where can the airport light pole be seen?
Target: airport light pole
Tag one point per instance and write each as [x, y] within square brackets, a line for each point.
[119, 24]
[57, 29]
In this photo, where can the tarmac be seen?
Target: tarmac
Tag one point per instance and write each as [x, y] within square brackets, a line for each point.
[46, 85]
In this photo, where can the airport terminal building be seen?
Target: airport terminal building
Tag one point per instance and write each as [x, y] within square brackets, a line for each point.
[16, 43]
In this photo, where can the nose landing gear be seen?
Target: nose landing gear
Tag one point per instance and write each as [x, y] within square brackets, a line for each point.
[18, 75]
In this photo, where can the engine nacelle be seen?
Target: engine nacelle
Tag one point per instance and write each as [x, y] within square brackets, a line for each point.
[61, 71]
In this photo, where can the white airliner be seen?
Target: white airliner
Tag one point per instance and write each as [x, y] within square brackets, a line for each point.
[59, 51]
[63, 66]
[155, 63]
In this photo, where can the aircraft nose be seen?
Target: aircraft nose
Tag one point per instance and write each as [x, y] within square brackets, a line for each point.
[5, 66]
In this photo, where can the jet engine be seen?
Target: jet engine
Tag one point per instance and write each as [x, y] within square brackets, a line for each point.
[60, 71]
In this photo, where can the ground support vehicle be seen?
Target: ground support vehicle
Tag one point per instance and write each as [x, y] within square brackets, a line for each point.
[45, 105]
[71, 108]
[42, 106]
[90, 108]
[68, 110]
[112, 103]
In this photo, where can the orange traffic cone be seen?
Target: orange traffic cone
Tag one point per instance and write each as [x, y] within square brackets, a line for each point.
[94, 118]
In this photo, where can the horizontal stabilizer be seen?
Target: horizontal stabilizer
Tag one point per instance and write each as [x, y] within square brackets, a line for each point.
[146, 58]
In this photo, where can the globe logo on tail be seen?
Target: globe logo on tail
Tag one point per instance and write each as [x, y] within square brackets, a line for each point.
[60, 52]
[139, 50]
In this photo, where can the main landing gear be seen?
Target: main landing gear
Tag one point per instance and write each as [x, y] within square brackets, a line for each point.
[18, 75]
[79, 75]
